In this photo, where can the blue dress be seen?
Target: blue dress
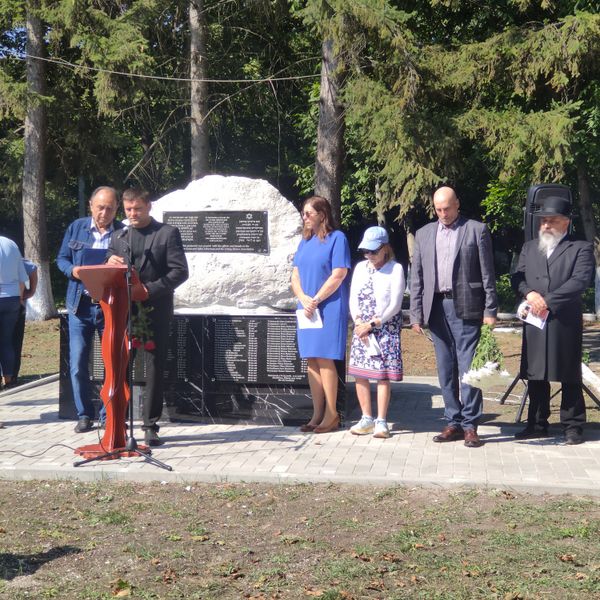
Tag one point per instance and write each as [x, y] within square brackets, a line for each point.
[315, 260]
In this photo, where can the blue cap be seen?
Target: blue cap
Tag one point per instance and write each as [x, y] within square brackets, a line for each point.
[374, 238]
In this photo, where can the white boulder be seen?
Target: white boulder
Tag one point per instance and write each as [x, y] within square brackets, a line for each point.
[237, 281]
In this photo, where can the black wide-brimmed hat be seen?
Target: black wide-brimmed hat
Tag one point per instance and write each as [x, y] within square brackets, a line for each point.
[554, 206]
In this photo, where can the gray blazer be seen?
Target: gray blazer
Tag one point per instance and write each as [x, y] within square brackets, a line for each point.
[473, 277]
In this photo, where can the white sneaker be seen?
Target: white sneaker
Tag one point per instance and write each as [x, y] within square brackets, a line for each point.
[381, 429]
[364, 426]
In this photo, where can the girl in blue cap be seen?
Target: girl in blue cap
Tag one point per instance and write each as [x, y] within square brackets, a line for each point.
[376, 294]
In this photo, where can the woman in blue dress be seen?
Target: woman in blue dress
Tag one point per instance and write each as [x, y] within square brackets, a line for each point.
[319, 282]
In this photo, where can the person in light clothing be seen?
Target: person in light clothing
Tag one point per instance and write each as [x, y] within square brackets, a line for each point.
[19, 332]
[376, 293]
[12, 285]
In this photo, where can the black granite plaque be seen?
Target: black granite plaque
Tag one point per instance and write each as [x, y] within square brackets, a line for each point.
[221, 369]
[222, 231]
[254, 350]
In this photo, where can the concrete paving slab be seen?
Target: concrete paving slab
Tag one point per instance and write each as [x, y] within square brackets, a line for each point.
[35, 444]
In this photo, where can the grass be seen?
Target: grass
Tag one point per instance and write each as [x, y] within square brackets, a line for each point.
[412, 543]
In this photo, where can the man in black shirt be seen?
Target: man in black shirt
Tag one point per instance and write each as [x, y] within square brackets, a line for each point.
[156, 253]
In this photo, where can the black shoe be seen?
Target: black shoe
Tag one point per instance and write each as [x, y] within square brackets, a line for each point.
[151, 438]
[531, 432]
[573, 437]
[84, 424]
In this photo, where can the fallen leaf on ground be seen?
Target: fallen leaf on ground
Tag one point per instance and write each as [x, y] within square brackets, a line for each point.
[362, 557]
[391, 557]
[120, 588]
[567, 557]
[376, 585]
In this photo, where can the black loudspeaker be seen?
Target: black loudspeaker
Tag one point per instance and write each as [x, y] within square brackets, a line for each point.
[536, 195]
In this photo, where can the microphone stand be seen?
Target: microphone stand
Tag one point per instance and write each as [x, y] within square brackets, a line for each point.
[132, 448]
[131, 444]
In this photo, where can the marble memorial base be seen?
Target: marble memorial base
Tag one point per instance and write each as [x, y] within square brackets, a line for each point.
[220, 368]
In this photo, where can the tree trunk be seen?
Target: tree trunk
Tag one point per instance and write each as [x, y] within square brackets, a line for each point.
[379, 211]
[330, 133]
[41, 306]
[589, 226]
[585, 202]
[200, 149]
[409, 227]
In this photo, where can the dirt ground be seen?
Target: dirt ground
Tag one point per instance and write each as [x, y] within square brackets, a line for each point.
[74, 540]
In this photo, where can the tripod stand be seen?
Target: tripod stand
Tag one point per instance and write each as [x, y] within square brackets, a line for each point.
[117, 287]
[519, 416]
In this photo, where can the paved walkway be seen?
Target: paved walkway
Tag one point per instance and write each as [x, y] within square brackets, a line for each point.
[36, 444]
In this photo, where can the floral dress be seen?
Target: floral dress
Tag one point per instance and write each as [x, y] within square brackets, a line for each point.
[387, 365]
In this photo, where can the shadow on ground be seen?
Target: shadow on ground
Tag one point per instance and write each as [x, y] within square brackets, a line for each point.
[17, 565]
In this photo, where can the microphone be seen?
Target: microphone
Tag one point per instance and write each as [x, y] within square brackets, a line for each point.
[125, 236]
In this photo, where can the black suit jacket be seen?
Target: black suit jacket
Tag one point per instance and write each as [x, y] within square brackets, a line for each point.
[163, 266]
[554, 353]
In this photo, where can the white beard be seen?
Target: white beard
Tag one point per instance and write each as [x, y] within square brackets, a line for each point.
[548, 241]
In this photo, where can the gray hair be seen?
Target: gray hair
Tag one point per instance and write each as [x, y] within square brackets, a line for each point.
[103, 188]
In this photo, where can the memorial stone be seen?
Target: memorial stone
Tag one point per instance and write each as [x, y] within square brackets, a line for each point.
[240, 236]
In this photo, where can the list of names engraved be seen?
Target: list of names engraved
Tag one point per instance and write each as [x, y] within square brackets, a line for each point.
[256, 350]
[230, 350]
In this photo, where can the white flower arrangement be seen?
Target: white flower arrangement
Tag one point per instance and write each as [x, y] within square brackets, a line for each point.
[490, 374]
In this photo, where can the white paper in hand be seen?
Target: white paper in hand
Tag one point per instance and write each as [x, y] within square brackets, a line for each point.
[524, 313]
[315, 322]
[373, 348]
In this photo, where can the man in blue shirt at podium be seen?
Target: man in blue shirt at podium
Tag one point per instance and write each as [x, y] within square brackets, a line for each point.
[85, 242]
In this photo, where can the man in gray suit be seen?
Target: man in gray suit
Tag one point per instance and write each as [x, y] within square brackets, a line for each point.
[453, 289]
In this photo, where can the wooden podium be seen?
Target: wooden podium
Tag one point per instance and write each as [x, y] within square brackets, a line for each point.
[108, 285]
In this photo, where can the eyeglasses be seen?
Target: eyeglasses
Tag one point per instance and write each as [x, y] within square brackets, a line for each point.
[308, 213]
[367, 252]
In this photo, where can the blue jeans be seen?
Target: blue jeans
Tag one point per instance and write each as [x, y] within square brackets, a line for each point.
[9, 313]
[455, 341]
[82, 328]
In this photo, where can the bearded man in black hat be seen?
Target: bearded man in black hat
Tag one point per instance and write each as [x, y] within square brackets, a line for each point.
[553, 272]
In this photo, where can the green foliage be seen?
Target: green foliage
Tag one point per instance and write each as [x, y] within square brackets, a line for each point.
[585, 357]
[141, 324]
[491, 97]
[503, 204]
[506, 296]
[541, 140]
[589, 299]
[487, 350]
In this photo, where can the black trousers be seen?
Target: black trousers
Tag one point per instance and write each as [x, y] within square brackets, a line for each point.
[18, 335]
[572, 406]
[155, 367]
